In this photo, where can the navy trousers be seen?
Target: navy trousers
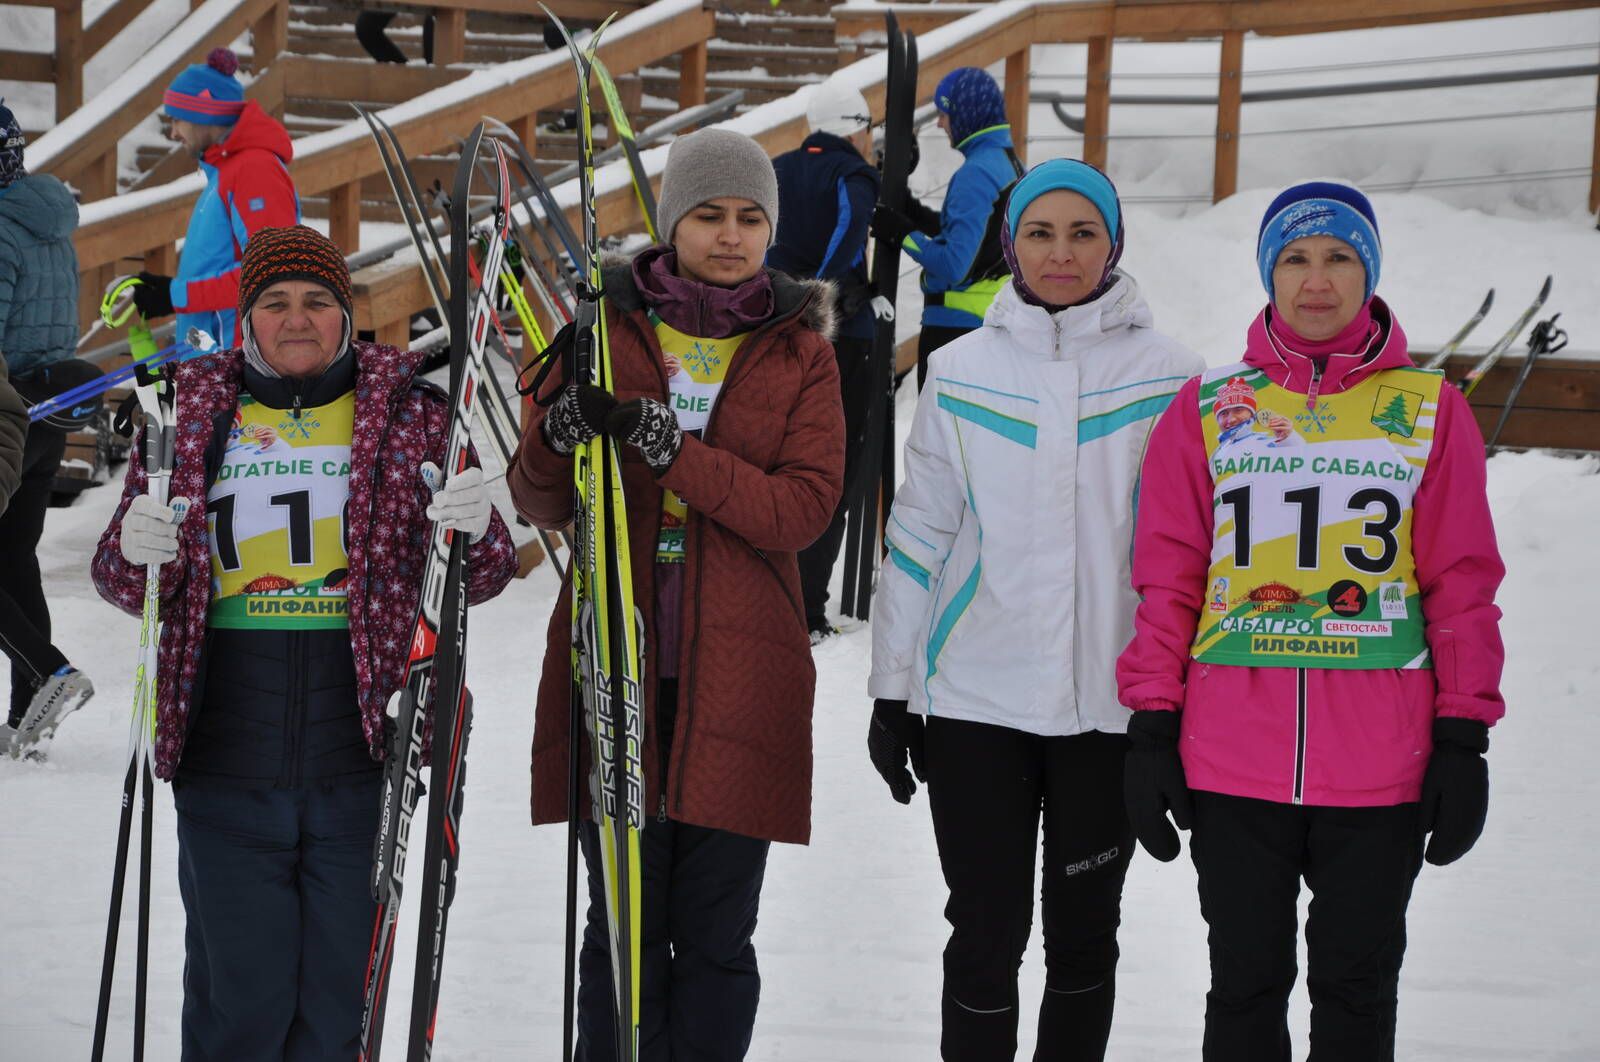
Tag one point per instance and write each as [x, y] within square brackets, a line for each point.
[275, 889]
[700, 985]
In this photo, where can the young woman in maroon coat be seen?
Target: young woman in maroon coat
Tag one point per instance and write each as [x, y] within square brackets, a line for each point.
[727, 396]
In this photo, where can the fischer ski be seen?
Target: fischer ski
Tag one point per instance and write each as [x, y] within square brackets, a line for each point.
[608, 642]
[1442, 355]
[1475, 375]
[157, 398]
[619, 122]
[1546, 339]
[871, 490]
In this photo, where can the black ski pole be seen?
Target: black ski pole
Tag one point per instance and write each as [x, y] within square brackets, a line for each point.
[1546, 339]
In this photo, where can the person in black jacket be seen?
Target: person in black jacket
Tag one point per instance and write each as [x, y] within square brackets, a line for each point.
[826, 192]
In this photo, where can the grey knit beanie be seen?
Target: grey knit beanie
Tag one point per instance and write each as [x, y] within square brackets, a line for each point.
[712, 163]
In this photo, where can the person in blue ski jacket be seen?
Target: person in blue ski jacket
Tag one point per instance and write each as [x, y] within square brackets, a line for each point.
[972, 112]
[244, 153]
[38, 333]
[826, 192]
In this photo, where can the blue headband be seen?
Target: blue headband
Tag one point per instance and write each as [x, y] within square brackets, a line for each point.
[1070, 175]
[1320, 208]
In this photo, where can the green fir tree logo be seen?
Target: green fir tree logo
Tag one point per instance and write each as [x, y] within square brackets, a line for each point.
[1395, 411]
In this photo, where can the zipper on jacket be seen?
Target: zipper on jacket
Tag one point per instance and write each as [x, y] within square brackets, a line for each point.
[1316, 382]
[1299, 735]
[686, 700]
[799, 609]
[294, 720]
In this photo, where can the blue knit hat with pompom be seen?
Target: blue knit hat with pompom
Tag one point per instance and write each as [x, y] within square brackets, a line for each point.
[207, 93]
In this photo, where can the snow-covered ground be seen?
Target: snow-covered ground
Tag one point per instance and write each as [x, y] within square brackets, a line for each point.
[1502, 960]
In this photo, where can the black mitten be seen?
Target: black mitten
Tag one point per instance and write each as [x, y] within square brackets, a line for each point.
[893, 736]
[578, 416]
[649, 427]
[1455, 789]
[924, 218]
[890, 224]
[153, 296]
[1153, 783]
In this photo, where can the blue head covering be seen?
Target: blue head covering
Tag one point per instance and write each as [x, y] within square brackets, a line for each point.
[1320, 208]
[207, 93]
[1070, 175]
[972, 100]
[11, 144]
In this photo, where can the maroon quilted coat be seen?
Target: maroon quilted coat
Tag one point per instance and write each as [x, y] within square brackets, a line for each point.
[761, 485]
[397, 427]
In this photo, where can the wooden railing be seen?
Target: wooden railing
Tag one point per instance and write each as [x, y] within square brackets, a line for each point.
[75, 44]
[1098, 23]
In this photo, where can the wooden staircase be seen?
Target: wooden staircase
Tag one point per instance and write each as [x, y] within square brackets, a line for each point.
[768, 52]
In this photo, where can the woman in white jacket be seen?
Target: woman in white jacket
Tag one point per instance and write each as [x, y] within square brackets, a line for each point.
[1003, 608]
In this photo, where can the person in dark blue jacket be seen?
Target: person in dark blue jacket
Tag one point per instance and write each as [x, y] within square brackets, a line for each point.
[972, 112]
[826, 192]
[38, 331]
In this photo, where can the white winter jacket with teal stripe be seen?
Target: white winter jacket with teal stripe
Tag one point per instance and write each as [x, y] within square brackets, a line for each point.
[1006, 597]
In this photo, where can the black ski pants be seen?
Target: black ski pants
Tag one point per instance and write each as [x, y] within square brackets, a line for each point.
[987, 787]
[1360, 864]
[698, 976]
[276, 891]
[24, 613]
[817, 560]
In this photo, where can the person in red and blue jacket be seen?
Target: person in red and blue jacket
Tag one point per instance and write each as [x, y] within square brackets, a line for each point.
[1317, 655]
[291, 559]
[244, 153]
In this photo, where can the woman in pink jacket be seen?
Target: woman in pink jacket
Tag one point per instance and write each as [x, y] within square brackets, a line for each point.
[1316, 659]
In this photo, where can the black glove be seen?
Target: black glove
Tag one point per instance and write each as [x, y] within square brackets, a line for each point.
[1455, 790]
[578, 416]
[889, 224]
[153, 296]
[894, 734]
[923, 217]
[1153, 783]
[649, 427]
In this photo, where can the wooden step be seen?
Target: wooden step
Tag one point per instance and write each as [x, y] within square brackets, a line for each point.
[779, 61]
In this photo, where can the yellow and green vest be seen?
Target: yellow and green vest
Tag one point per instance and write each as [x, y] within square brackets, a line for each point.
[277, 518]
[1311, 561]
[696, 368]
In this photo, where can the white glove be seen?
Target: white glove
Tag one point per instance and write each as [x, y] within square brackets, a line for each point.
[463, 504]
[150, 530]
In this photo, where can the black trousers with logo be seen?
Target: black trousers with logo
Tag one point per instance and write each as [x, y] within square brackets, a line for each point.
[987, 787]
[1360, 864]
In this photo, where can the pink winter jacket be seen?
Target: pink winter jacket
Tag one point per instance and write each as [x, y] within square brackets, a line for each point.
[1308, 735]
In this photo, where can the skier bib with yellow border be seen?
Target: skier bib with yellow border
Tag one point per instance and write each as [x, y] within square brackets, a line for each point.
[1311, 562]
[277, 515]
[696, 368]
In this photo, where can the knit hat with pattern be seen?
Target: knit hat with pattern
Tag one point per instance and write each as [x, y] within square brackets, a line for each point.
[292, 253]
[11, 144]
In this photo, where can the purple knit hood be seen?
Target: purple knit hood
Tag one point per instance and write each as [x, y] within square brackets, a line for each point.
[698, 309]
